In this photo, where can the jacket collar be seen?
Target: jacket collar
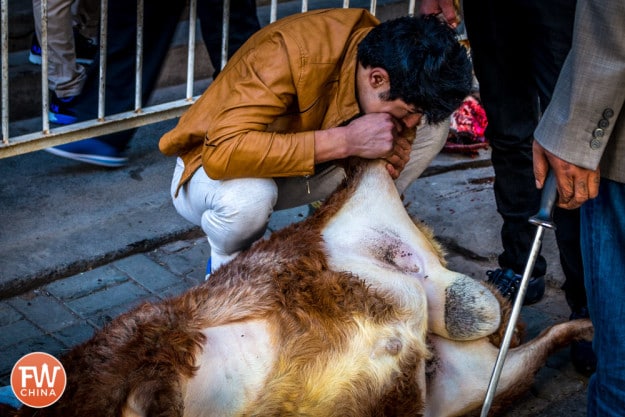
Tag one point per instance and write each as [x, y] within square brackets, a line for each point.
[344, 106]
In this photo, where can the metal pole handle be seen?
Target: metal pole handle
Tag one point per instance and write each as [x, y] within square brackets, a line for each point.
[547, 203]
[543, 220]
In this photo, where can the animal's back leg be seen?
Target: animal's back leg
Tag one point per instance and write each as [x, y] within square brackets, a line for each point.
[460, 372]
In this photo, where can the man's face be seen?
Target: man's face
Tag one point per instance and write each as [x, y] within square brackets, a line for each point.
[373, 89]
[407, 114]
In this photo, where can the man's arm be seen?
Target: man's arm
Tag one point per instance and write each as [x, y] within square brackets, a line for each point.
[573, 133]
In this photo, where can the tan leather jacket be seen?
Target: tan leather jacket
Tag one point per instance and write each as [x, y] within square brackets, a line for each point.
[257, 119]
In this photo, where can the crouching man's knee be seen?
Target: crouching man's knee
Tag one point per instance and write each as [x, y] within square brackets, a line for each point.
[238, 212]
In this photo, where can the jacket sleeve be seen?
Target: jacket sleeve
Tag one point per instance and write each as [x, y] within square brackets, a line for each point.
[250, 132]
[580, 119]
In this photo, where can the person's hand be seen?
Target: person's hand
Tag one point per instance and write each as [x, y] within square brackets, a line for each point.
[379, 135]
[444, 7]
[372, 135]
[399, 157]
[575, 184]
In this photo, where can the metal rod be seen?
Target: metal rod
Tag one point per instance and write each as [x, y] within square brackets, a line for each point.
[191, 48]
[139, 59]
[373, 6]
[45, 93]
[103, 45]
[273, 11]
[542, 220]
[114, 123]
[516, 310]
[225, 34]
[4, 26]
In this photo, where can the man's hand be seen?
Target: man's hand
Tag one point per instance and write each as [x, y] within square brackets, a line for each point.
[372, 135]
[399, 157]
[446, 7]
[575, 184]
[380, 135]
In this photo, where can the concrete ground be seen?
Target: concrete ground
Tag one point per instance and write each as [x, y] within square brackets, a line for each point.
[80, 244]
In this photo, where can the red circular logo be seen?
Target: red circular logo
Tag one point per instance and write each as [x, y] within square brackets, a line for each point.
[38, 379]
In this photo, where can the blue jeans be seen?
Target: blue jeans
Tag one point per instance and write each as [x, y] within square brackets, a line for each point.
[603, 251]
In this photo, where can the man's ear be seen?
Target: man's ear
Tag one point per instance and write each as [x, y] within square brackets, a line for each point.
[378, 78]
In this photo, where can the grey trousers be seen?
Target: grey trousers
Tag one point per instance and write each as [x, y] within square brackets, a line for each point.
[66, 77]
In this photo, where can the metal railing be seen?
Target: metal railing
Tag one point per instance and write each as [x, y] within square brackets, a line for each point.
[140, 116]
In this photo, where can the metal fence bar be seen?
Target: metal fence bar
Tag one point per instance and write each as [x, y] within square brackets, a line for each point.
[273, 14]
[104, 12]
[191, 48]
[115, 123]
[45, 92]
[373, 6]
[139, 58]
[105, 124]
[225, 34]
[4, 36]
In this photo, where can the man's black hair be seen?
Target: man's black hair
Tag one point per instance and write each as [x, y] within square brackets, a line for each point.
[427, 66]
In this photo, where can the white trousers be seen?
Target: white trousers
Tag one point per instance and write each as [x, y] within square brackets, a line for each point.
[235, 213]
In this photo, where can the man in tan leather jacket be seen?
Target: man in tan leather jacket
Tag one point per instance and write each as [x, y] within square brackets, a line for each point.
[303, 92]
